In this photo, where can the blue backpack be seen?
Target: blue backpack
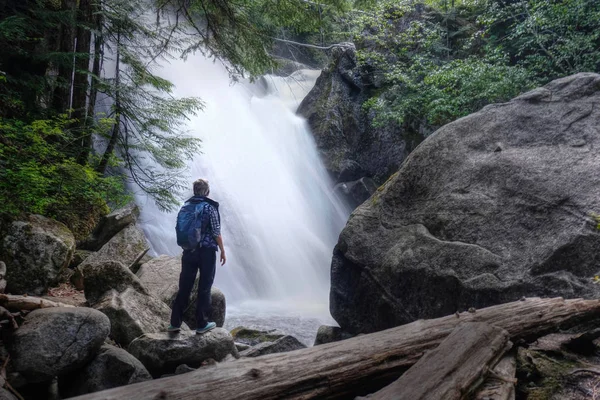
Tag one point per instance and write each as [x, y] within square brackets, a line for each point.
[189, 225]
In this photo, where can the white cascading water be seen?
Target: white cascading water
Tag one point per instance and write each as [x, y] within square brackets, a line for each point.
[280, 218]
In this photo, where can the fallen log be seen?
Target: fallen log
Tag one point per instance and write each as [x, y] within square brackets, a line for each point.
[27, 303]
[454, 369]
[356, 366]
[500, 384]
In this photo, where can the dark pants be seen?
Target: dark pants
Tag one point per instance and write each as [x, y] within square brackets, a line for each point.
[203, 259]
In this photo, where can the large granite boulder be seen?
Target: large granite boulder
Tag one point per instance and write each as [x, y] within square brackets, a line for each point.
[109, 226]
[161, 277]
[133, 314]
[37, 250]
[490, 208]
[126, 247]
[57, 341]
[105, 276]
[112, 367]
[161, 353]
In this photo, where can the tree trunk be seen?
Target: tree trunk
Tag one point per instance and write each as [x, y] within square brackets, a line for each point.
[27, 303]
[86, 141]
[454, 369]
[82, 62]
[116, 131]
[500, 384]
[61, 98]
[356, 366]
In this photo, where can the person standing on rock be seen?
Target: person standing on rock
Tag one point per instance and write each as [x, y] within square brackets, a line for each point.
[199, 234]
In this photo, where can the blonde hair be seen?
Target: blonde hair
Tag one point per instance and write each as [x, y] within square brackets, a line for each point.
[201, 188]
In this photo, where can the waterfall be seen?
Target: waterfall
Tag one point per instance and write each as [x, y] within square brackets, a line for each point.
[280, 218]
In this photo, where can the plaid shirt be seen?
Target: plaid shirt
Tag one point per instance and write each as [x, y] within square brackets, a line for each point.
[211, 226]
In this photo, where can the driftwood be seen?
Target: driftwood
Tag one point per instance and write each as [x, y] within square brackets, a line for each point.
[453, 370]
[138, 258]
[500, 384]
[27, 303]
[356, 366]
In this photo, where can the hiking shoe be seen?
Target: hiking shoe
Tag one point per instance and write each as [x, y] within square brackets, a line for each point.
[208, 327]
[172, 328]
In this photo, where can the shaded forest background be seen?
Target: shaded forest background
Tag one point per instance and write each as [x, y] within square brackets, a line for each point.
[83, 109]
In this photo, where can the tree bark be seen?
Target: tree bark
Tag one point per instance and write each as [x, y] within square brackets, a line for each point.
[500, 384]
[65, 69]
[356, 366]
[454, 369]
[86, 142]
[27, 303]
[82, 62]
[116, 131]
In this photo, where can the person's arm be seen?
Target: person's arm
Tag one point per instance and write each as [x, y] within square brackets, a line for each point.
[215, 223]
[223, 258]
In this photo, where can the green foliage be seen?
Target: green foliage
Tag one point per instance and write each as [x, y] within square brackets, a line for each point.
[550, 38]
[36, 177]
[147, 131]
[432, 66]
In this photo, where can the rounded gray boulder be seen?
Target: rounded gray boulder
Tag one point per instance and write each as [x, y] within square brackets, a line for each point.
[57, 341]
[490, 208]
[103, 276]
[163, 352]
[37, 250]
[112, 367]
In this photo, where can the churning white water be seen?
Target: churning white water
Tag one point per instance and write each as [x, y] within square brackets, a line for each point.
[280, 219]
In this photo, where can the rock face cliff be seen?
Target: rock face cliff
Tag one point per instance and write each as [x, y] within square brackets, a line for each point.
[492, 207]
[350, 145]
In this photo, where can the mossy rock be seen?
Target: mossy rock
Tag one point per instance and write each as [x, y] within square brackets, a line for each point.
[36, 250]
[252, 337]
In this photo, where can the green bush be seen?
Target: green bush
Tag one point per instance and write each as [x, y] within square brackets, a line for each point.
[36, 176]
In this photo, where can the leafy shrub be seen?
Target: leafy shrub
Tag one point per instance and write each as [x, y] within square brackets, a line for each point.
[36, 176]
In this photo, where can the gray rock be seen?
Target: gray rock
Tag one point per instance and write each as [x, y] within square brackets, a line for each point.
[109, 226]
[183, 369]
[355, 193]
[242, 346]
[112, 367]
[282, 345]
[218, 304]
[104, 276]
[133, 314]
[464, 225]
[36, 250]
[161, 353]
[330, 334]
[161, 277]
[57, 341]
[350, 144]
[124, 247]
[78, 257]
[252, 337]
